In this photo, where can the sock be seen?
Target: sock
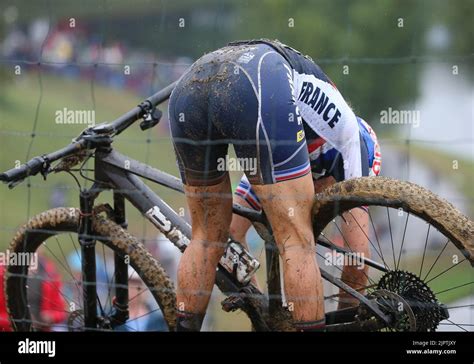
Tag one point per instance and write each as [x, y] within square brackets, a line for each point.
[188, 321]
[311, 326]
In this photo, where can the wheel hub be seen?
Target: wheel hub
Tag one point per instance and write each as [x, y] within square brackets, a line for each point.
[75, 320]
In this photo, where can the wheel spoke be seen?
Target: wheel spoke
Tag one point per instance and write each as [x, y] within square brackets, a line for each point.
[424, 250]
[403, 241]
[450, 289]
[458, 325]
[436, 260]
[446, 270]
[51, 279]
[75, 248]
[59, 291]
[370, 241]
[378, 241]
[462, 306]
[49, 300]
[109, 294]
[399, 231]
[68, 269]
[352, 251]
[391, 238]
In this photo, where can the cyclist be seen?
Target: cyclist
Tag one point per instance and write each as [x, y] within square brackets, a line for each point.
[259, 96]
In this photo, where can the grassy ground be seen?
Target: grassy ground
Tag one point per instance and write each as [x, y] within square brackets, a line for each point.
[459, 170]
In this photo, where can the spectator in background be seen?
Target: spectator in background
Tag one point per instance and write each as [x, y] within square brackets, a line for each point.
[78, 52]
[47, 306]
[167, 255]
[144, 313]
[4, 322]
[58, 197]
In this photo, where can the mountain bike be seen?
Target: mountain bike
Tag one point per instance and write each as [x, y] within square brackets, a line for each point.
[409, 294]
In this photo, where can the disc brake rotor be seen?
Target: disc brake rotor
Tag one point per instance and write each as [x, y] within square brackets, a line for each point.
[405, 319]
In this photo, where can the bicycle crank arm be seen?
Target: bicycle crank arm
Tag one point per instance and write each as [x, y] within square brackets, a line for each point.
[371, 306]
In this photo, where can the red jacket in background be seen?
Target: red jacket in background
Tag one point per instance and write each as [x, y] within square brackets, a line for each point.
[52, 303]
[4, 323]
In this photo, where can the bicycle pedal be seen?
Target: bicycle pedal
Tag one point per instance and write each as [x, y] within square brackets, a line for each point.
[232, 303]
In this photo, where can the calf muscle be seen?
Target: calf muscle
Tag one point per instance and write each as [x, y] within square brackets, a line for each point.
[211, 213]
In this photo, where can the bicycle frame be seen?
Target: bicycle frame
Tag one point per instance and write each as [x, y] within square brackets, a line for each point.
[111, 173]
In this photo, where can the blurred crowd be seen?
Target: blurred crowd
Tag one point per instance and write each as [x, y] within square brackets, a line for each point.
[76, 51]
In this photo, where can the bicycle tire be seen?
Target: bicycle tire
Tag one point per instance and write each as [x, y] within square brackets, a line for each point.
[66, 220]
[383, 191]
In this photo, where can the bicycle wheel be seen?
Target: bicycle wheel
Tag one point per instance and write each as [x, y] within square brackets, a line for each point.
[423, 242]
[53, 235]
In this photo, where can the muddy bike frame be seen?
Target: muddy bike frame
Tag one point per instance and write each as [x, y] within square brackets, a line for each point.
[123, 175]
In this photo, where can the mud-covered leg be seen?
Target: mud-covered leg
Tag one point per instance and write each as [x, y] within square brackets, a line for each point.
[288, 207]
[211, 213]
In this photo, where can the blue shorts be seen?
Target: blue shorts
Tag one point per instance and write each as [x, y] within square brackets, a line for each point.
[240, 95]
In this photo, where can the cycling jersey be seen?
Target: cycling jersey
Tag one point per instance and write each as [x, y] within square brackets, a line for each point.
[321, 106]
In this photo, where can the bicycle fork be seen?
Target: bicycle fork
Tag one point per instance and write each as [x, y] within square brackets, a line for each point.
[120, 301]
[89, 276]
[88, 263]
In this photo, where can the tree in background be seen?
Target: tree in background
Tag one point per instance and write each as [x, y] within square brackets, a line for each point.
[364, 46]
